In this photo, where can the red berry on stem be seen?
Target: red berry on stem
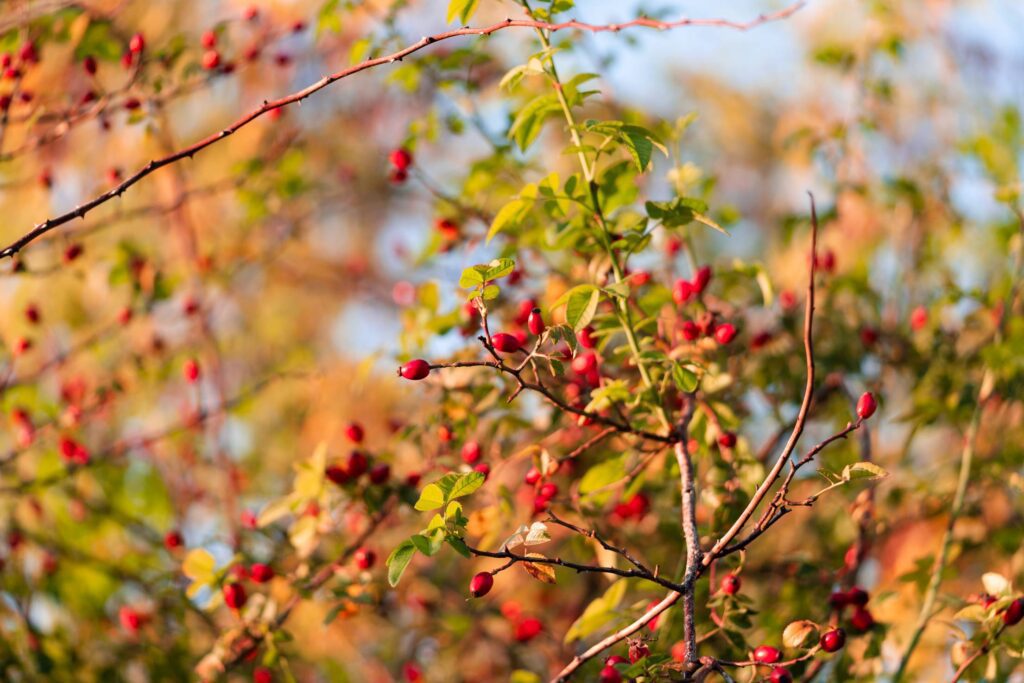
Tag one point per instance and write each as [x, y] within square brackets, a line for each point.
[535, 322]
[210, 60]
[731, 584]
[725, 333]
[866, 405]
[262, 674]
[173, 539]
[918, 318]
[484, 469]
[191, 371]
[380, 473]
[1014, 612]
[504, 342]
[137, 43]
[727, 439]
[364, 558]
[261, 573]
[354, 432]
[528, 629]
[780, 675]
[701, 279]
[414, 369]
[682, 291]
[401, 159]
[481, 584]
[89, 64]
[609, 674]
[862, 620]
[234, 595]
[208, 39]
[586, 337]
[470, 452]
[532, 476]
[690, 331]
[336, 474]
[857, 596]
[766, 654]
[615, 659]
[357, 464]
[839, 599]
[833, 641]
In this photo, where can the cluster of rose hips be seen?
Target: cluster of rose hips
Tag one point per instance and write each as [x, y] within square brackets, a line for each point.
[358, 463]
[234, 592]
[861, 620]
[401, 160]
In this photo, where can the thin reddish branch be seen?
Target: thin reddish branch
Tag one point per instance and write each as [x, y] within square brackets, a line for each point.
[798, 427]
[188, 152]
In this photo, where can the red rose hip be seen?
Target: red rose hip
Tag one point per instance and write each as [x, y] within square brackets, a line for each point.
[234, 595]
[730, 584]
[535, 322]
[365, 558]
[414, 369]
[481, 584]
[833, 641]
[766, 654]
[866, 405]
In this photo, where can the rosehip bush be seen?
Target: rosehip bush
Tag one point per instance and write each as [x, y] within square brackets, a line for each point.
[510, 341]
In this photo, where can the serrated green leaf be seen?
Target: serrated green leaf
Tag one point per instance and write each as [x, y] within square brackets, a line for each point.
[431, 498]
[398, 560]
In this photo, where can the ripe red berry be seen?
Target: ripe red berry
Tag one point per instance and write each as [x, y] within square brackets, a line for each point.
[173, 539]
[262, 674]
[839, 599]
[549, 490]
[701, 279]
[484, 469]
[637, 651]
[918, 318]
[535, 322]
[780, 675]
[364, 558]
[682, 291]
[354, 432]
[725, 333]
[72, 252]
[401, 159]
[480, 585]
[210, 60]
[357, 464]
[251, 12]
[89, 64]
[866, 405]
[584, 363]
[766, 654]
[731, 584]
[208, 39]
[137, 43]
[690, 330]
[130, 620]
[727, 440]
[615, 659]
[586, 337]
[857, 596]
[191, 371]
[609, 674]
[261, 573]
[336, 474]
[862, 620]
[504, 342]
[234, 595]
[412, 673]
[380, 473]
[1014, 612]
[414, 369]
[833, 641]
[528, 629]
[470, 452]
[532, 476]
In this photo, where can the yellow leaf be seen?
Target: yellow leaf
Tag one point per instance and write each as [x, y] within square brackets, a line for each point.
[541, 572]
[199, 565]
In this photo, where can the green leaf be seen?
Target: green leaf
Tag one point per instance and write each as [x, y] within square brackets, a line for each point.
[460, 546]
[677, 212]
[684, 378]
[499, 268]
[507, 216]
[580, 305]
[472, 277]
[603, 474]
[530, 119]
[463, 9]
[431, 498]
[863, 470]
[466, 484]
[398, 560]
